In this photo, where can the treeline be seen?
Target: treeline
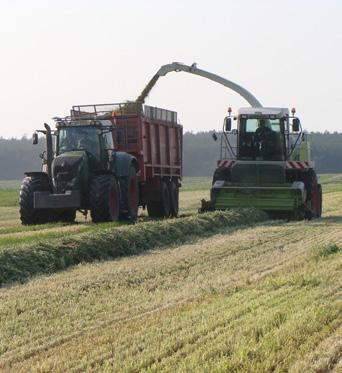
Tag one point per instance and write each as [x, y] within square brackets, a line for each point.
[200, 153]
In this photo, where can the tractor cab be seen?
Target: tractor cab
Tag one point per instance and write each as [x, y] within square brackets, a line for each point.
[91, 136]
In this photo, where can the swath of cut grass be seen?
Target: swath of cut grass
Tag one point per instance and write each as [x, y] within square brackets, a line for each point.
[17, 264]
[327, 249]
[254, 327]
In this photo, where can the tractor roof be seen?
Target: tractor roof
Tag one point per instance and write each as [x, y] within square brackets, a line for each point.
[267, 111]
[90, 121]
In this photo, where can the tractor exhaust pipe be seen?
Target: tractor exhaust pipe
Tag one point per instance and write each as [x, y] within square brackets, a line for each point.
[49, 150]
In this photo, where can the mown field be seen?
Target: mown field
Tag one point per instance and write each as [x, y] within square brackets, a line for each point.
[214, 292]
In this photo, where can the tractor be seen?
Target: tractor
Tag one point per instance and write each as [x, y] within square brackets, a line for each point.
[81, 171]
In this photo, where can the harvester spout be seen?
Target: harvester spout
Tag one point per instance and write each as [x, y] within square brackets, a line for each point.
[177, 66]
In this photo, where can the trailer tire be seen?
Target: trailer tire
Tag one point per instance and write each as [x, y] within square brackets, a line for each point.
[104, 199]
[28, 214]
[153, 209]
[161, 208]
[129, 195]
[174, 199]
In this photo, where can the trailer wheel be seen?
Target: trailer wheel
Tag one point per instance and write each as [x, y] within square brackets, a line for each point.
[104, 199]
[153, 209]
[130, 195]
[174, 199]
[161, 208]
[28, 214]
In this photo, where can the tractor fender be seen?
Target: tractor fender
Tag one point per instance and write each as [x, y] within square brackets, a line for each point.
[37, 174]
[123, 162]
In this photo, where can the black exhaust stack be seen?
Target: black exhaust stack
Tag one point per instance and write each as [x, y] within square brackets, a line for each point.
[49, 150]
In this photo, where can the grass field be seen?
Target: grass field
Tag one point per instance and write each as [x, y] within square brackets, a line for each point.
[260, 298]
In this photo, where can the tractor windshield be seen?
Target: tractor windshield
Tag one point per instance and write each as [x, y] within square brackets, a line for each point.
[79, 138]
[261, 139]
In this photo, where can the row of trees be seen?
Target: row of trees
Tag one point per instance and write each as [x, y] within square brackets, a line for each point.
[200, 154]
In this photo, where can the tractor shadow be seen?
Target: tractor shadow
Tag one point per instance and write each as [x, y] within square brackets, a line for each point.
[328, 220]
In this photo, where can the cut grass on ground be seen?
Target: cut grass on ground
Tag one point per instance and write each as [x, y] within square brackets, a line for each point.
[254, 300]
[17, 264]
[265, 298]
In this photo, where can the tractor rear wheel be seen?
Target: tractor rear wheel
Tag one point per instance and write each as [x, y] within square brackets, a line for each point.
[28, 214]
[161, 208]
[174, 199]
[129, 195]
[104, 199]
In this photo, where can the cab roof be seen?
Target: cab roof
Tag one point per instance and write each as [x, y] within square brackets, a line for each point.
[267, 111]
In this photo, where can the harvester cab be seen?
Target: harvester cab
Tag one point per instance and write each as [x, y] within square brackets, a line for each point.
[81, 171]
[265, 162]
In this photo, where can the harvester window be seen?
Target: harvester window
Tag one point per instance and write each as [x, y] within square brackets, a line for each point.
[251, 125]
[261, 139]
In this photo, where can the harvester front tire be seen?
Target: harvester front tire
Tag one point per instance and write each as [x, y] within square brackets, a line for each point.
[28, 214]
[314, 196]
[130, 195]
[104, 199]
[320, 200]
[174, 199]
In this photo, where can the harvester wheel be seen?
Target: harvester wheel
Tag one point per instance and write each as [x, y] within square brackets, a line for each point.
[129, 195]
[174, 199]
[28, 214]
[104, 199]
[320, 200]
[161, 208]
[314, 197]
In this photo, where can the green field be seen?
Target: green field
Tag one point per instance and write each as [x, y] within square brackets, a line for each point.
[237, 296]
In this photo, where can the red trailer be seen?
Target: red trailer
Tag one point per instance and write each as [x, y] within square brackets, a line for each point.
[154, 137]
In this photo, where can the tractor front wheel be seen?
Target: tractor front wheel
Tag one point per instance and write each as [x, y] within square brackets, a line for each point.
[104, 199]
[28, 214]
[67, 216]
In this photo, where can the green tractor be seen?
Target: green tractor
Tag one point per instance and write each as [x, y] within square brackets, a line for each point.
[81, 171]
[266, 163]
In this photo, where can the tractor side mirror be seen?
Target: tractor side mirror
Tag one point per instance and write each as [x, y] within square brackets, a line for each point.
[227, 124]
[296, 125]
[35, 138]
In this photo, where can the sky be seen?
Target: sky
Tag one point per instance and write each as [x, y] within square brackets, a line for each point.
[55, 54]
